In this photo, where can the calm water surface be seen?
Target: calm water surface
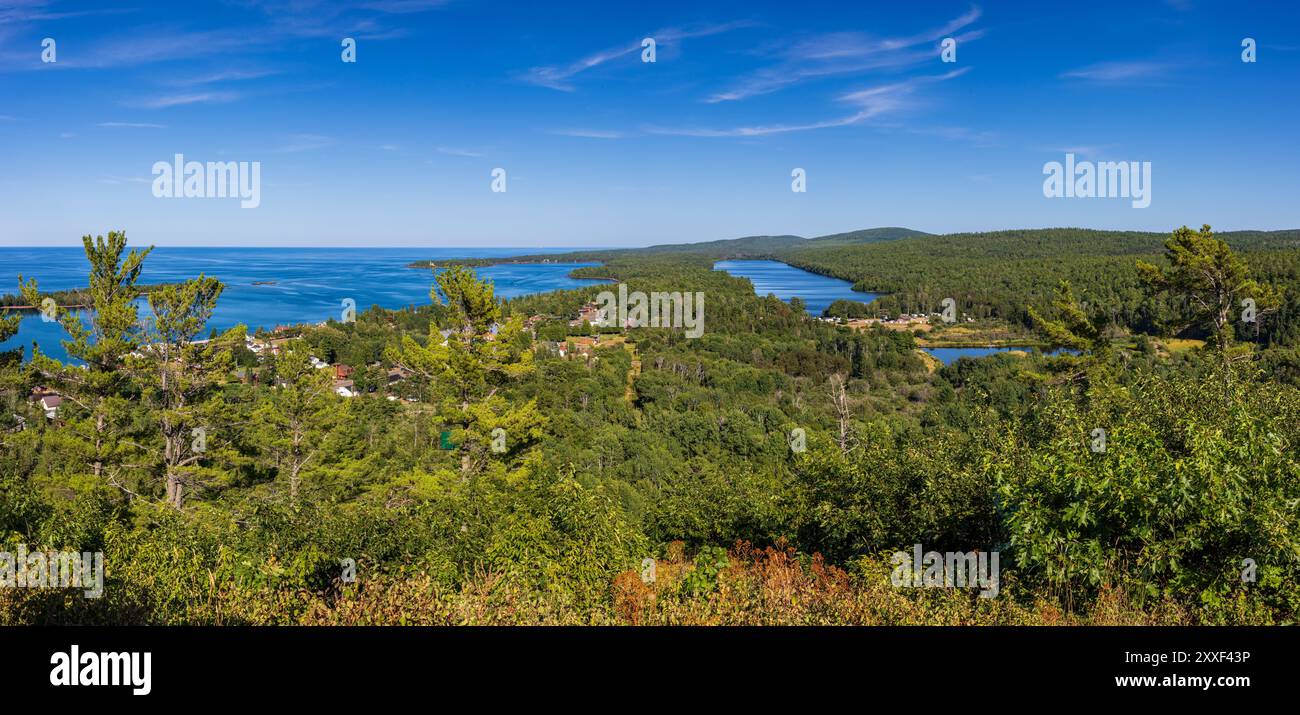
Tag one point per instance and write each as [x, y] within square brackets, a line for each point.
[785, 282]
[302, 285]
[306, 284]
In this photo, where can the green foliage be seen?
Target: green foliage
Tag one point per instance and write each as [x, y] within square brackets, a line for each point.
[1198, 474]
[703, 579]
[100, 393]
[849, 309]
[659, 439]
[998, 274]
[1209, 281]
[180, 379]
[468, 364]
[1075, 328]
[293, 420]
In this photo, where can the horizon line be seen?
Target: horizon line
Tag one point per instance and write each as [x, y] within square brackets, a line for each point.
[683, 243]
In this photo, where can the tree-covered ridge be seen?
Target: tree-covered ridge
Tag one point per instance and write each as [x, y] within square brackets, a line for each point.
[993, 275]
[70, 298]
[1001, 274]
[745, 247]
[650, 445]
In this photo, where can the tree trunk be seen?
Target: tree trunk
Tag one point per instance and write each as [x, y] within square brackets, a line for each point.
[98, 466]
[175, 491]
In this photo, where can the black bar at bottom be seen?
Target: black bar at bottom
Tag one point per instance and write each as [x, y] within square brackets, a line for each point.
[338, 665]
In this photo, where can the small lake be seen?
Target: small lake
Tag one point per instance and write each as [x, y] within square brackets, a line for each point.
[949, 356]
[785, 282]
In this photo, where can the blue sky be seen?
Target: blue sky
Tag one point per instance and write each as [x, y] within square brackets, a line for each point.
[602, 149]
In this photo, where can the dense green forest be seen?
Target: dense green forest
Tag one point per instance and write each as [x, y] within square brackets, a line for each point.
[480, 477]
[1000, 274]
[745, 247]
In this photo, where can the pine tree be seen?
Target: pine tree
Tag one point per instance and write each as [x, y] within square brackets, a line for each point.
[181, 378]
[101, 391]
[1075, 328]
[469, 367]
[1211, 281]
[296, 416]
[9, 326]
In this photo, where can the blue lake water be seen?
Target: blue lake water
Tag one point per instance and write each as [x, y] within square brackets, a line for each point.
[310, 284]
[786, 282]
[949, 356]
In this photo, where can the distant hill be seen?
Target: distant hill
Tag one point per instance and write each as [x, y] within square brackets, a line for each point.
[998, 274]
[743, 247]
[855, 260]
[728, 246]
[748, 246]
[866, 235]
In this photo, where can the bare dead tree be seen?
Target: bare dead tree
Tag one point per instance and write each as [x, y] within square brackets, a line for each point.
[840, 399]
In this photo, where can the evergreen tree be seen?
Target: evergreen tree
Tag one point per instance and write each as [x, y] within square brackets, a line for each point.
[1075, 328]
[9, 326]
[469, 367]
[181, 377]
[295, 416]
[1210, 280]
[101, 392]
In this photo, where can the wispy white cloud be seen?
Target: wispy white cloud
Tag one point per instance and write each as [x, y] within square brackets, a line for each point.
[844, 54]
[221, 76]
[373, 20]
[14, 12]
[177, 100]
[306, 142]
[158, 43]
[453, 151]
[402, 7]
[110, 179]
[589, 133]
[266, 29]
[1091, 151]
[977, 137]
[872, 102]
[1113, 72]
[132, 125]
[1078, 149]
[19, 18]
[560, 76]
